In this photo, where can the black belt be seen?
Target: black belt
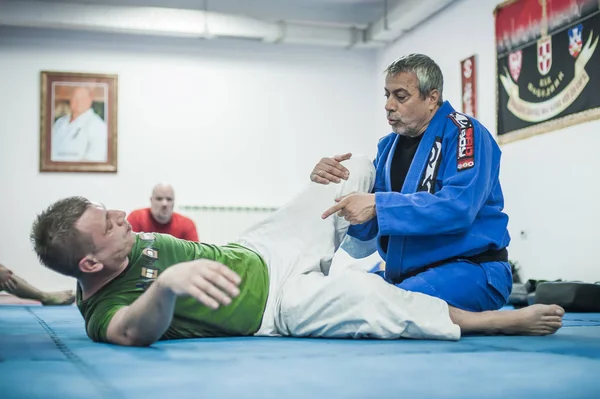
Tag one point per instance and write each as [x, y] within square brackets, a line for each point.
[491, 255]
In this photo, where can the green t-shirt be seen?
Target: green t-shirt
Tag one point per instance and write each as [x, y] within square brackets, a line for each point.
[152, 253]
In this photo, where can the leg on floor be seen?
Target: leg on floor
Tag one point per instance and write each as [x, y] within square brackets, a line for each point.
[18, 287]
[532, 320]
[363, 305]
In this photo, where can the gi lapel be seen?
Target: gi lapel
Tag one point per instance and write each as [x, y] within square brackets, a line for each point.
[428, 158]
[388, 164]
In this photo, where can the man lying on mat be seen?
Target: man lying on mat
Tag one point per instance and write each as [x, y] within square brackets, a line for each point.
[137, 288]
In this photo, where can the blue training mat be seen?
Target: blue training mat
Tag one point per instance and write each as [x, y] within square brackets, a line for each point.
[44, 353]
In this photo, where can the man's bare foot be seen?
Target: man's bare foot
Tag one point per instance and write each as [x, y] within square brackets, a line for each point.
[532, 320]
[58, 298]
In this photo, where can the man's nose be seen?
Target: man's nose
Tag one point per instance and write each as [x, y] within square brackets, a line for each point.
[390, 105]
[120, 217]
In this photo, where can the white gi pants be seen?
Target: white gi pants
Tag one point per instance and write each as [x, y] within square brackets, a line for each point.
[298, 247]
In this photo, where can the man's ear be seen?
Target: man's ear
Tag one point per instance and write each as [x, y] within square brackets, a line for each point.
[434, 96]
[89, 264]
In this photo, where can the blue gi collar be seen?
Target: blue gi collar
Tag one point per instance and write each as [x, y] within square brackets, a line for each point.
[435, 129]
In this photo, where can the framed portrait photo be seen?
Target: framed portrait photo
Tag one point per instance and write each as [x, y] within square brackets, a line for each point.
[78, 131]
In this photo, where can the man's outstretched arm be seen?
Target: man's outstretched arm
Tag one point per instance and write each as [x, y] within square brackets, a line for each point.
[146, 320]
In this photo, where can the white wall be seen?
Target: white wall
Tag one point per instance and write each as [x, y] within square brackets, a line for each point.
[227, 123]
[548, 180]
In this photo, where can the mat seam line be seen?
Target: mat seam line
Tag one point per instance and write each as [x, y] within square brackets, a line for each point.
[88, 371]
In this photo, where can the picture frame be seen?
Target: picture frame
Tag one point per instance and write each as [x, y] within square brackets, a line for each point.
[78, 115]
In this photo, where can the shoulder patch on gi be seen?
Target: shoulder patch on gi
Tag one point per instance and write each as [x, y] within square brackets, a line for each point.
[465, 153]
[150, 253]
[150, 273]
[146, 236]
[433, 165]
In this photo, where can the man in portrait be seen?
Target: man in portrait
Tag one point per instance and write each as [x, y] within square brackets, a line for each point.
[81, 135]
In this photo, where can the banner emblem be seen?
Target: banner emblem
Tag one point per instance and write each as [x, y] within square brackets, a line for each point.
[544, 55]
[515, 61]
[575, 42]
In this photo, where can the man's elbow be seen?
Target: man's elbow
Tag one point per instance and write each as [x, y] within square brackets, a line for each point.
[462, 219]
[130, 338]
[141, 343]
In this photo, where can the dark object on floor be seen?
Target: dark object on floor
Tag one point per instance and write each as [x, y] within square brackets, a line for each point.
[518, 295]
[572, 296]
[523, 294]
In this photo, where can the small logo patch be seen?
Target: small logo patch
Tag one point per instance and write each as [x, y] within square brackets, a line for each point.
[150, 253]
[433, 165]
[149, 273]
[146, 236]
[465, 153]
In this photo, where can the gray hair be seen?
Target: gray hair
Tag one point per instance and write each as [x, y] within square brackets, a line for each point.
[57, 242]
[428, 73]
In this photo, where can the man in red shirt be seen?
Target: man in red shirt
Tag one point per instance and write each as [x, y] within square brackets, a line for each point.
[160, 218]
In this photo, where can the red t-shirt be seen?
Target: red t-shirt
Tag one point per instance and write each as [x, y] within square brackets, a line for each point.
[141, 220]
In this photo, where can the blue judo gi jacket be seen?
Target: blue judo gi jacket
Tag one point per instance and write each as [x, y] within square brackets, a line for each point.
[451, 203]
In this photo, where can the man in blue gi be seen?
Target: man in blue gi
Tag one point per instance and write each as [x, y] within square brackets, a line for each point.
[436, 210]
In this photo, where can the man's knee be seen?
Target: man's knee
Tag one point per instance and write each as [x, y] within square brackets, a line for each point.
[360, 164]
[361, 169]
[419, 284]
[462, 284]
[314, 295]
[362, 291]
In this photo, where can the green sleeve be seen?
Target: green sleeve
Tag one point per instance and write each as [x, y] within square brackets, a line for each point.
[105, 309]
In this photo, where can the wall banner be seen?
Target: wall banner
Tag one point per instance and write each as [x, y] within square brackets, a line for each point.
[548, 65]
